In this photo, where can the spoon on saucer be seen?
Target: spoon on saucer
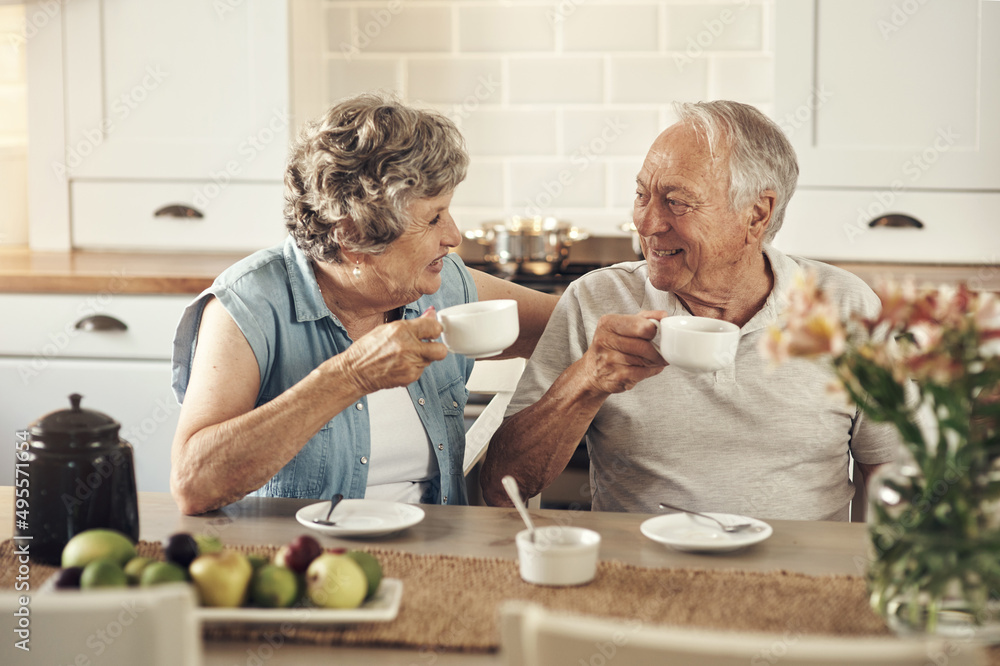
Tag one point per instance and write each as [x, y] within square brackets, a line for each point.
[738, 527]
[334, 501]
[510, 485]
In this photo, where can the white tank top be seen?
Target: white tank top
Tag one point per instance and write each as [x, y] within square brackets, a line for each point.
[402, 463]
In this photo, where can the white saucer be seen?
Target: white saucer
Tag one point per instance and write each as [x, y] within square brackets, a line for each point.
[685, 532]
[361, 517]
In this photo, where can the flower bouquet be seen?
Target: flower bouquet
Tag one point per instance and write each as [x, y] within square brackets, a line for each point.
[930, 365]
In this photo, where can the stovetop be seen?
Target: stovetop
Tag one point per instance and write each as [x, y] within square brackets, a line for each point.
[553, 283]
[585, 256]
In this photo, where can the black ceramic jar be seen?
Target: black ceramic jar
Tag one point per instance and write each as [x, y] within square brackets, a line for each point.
[82, 476]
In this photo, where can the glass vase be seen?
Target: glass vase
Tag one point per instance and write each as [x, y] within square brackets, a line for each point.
[935, 544]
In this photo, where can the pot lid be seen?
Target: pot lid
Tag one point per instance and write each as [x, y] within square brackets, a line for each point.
[75, 427]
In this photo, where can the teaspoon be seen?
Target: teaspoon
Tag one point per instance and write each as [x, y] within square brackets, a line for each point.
[334, 501]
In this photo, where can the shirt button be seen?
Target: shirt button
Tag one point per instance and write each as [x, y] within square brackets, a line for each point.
[359, 406]
[444, 499]
[420, 402]
[440, 447]
[364, 460]
[454, 404]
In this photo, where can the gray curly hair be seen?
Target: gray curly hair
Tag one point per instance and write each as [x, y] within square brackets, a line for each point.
[354, 172]
[760, 155]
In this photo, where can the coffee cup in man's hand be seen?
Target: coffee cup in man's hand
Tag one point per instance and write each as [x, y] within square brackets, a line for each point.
[697, 344]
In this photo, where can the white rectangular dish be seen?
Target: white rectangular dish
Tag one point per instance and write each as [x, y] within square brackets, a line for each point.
[383, 607]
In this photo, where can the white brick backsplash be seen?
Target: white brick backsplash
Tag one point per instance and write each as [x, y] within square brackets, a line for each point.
[538, 186]
[510, 132]
[338, 30]
[556, 80]
[744, 79]
[698, 28]
[587, 28]
[512, 28]
[483, 186]
[460, 81]
[662, 79]
[398, 27]
[609, 132]
[349, 77]
[622, 176]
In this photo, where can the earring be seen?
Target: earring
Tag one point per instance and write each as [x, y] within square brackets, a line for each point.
[357, 270]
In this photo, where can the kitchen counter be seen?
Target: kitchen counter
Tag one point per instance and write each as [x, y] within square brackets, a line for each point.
[24, 271]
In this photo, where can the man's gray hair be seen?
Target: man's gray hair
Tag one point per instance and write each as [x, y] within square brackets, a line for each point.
[354, 172]
[760, 155]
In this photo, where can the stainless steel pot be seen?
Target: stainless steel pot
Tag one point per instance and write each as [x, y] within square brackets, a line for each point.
[535, 245]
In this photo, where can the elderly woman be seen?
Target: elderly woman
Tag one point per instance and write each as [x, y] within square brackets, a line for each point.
[312, 368]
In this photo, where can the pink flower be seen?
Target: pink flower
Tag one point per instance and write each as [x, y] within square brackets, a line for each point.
[818, 333]
[774, 345]
[812, 324]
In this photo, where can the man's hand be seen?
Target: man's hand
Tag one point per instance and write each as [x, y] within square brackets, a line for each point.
[621, 354]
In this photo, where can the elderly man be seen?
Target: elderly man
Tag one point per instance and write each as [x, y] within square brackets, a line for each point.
[748, 439]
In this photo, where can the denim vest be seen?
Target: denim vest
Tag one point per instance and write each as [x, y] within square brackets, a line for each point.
[273, 297]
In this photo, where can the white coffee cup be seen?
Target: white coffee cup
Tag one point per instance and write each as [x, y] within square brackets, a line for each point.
[481, 329]
[559, 555]
[697, 344]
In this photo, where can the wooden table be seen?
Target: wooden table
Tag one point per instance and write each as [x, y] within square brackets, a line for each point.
[807, 547]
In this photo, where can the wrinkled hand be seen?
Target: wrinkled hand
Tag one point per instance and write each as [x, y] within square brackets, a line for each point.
[392, 355]
[621, 354]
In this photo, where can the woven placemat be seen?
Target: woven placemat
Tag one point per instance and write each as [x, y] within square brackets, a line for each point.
[451, 602]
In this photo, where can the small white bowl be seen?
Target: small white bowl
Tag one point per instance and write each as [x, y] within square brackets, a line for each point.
[559, 555]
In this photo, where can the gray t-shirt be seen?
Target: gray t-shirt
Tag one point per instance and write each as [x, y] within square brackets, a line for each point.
[752, 439]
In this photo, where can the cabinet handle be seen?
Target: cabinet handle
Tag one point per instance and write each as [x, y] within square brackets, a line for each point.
[896, 220]
[98, 323]
[178, 210]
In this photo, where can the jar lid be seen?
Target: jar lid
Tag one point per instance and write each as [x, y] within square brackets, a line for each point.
[75, 427]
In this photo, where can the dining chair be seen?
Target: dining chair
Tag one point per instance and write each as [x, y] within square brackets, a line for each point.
[859, 504]
[153, 626]
[498, 378]
[533, 636]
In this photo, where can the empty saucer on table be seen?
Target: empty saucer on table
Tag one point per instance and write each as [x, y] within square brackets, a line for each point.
[685, 532]
[361, 517]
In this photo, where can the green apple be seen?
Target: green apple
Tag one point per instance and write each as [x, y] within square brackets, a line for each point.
[97, 544]
[158, 573]
[135, 567]
[274, 587]
[207, 543]
[222, 578]
[336, 581]
[372, 568]
[102, 573]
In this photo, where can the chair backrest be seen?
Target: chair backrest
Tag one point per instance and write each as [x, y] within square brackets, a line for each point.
[118, 625]
[533, 636]
[498, 378]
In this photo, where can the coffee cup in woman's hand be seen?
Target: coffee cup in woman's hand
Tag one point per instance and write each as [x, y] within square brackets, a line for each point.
[481, 329]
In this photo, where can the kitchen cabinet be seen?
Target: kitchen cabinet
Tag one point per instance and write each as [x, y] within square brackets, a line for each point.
[162, 124]
[891, 108]
[112, 348]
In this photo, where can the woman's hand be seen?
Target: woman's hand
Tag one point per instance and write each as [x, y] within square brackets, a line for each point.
[391, 355]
